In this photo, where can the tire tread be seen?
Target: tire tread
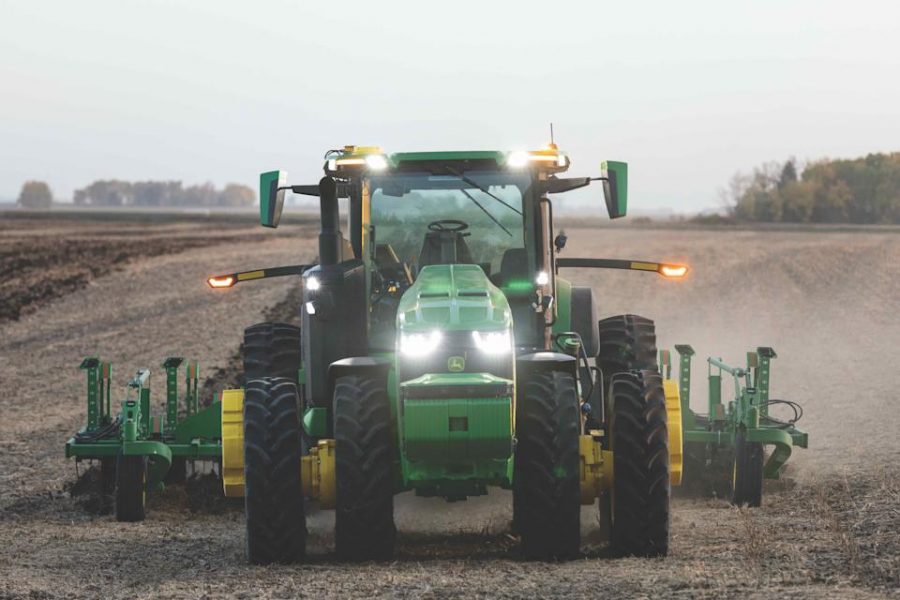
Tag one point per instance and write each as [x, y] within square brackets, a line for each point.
[273, 495]
[364, 454]
[640, 444]
[546, 484]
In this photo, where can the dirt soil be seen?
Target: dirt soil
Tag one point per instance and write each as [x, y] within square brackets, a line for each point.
[826, 301]
[46, 259]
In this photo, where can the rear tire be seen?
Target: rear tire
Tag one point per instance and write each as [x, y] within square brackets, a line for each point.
[273, 496]
[364, 457]
[131, 488]
[627, 343]
[748, 472]
[546, 485]
[640, 446]
[271, 350]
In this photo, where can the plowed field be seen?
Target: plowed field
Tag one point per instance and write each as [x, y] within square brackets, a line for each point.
[134, 292]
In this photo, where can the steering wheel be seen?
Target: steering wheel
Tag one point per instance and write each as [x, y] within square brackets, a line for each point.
[448, 225]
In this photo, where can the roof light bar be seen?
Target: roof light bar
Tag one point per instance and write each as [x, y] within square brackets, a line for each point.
[549, 157]
[358, 156]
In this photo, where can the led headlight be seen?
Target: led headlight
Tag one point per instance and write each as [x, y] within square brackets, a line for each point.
[376, 162]
[420, 343]
[493, 342]
[517, 159]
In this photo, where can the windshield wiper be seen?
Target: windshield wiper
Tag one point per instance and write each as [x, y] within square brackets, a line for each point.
[492, 217]
[474, 184]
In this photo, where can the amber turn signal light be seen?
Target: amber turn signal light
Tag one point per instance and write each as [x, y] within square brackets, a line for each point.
[224, 281]
[673, 271]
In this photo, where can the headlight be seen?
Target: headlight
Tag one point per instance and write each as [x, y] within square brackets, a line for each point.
[517, 159]
[493, 342]
[376, 162]
[420, 344]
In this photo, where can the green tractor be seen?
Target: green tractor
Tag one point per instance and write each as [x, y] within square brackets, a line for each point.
[441, 352]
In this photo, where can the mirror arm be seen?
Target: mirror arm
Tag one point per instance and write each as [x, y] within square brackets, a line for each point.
[306, 190]
[555, 185]
[343, 190]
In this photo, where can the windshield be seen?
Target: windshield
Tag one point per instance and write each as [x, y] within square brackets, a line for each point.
[472, 217]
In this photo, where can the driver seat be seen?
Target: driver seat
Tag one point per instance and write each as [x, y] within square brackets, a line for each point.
[445, 248]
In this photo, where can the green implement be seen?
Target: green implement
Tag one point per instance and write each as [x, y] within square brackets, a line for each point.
[725, 448]
[137, 450]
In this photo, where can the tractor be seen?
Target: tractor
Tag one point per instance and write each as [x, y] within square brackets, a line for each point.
[441, 352]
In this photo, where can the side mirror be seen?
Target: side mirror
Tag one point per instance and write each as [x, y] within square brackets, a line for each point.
[560, 241]
[615, 187]
[271, 197]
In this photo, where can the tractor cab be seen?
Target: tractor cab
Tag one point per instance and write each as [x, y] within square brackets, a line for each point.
[419, 219]
[411, 211]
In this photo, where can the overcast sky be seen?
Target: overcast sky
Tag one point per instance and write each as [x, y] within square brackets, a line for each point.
[686, 92]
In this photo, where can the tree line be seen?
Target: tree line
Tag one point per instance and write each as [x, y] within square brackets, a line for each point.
[115, 192]
[862, 190]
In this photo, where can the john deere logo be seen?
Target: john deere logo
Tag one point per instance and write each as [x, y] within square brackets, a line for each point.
[456, 364]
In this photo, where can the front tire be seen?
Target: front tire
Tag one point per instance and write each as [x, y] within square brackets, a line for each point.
[546, 485]
[364, 456]
[273, 496]
[639, 441]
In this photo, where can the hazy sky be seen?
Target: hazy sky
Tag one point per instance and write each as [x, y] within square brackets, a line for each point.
[686, 92]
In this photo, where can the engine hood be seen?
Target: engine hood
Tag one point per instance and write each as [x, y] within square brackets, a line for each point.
[453, 297]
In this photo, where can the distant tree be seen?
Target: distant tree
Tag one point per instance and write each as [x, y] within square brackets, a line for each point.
[788, 174]
[236, 194]
[114, 192]
[797, 202]
[862, 190]
[35, 194]
[199, 195]
[753, 195]
[111, 192]
[156, 193]
[730, 196]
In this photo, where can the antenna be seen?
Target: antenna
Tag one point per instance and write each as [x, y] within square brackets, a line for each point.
[551, 134]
